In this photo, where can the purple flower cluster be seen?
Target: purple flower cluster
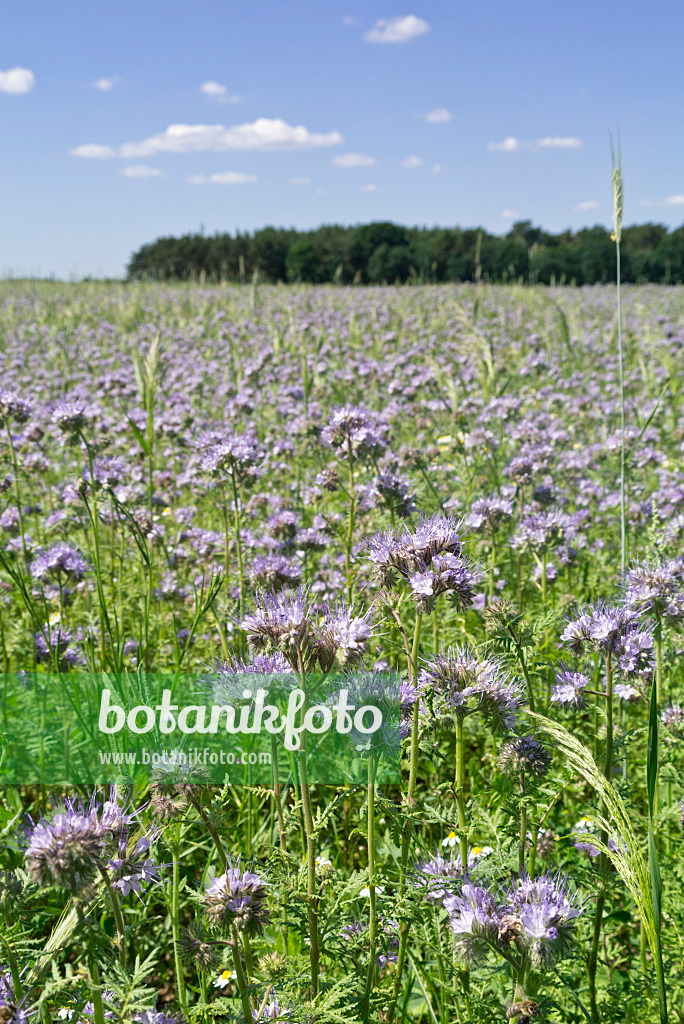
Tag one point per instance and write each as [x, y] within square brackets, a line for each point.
[430, 558]
[68, 847]
[237, 897]
[289, 622]
[532, 920]
[615, 631]
[460, 683]
[355, 430]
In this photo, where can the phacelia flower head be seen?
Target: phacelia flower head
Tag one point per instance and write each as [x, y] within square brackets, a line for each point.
[66, 849]
[613, 631]
[474, 918]
[569, 688]
[547, 908]
[461, 683]
[487, 514]
[133, 870]
[238, 897]
[355, 429]
[225, 453]
[13, 407]
[656, 587]
[60, 562]
[525, 755]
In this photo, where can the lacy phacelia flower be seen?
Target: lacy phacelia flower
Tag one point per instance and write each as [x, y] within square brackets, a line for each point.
[237, 898]
[60, 562]
[355, 429]
[288, 622]
[547, 907]
[67, 849]
[474, 918]
[441, 875]
[345, 636]
[657, 587]
[223, 453]
[533, 918]
[614, 632]
[132, 870]
[460, 683]
[569, 688]
[524, 755]
[488, 513]
[445, 574]
[13, 407]
[400, 553]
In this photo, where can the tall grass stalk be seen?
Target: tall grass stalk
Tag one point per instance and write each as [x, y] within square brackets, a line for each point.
[617, 236]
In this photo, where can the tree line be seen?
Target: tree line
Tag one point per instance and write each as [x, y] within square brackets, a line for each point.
[384, 252]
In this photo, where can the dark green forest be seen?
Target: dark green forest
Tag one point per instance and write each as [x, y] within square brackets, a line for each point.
[384, 252]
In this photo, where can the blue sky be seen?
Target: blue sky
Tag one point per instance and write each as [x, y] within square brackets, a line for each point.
[297, 114]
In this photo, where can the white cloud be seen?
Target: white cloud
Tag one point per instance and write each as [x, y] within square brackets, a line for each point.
[348, 20]
[436, 168]
[265, 133]
[412, 161]
[509, 145]
[397, 30]
[93, 151]
[104, 84]
[354, 160]
[17, 81]
[222, 178]
[559, 142]
[370, 188]
[510, 214]
[142, 171]
[320, 192]
[586, 204]
[299, 181]
[440, 115]
[219, 92]
[676, 200]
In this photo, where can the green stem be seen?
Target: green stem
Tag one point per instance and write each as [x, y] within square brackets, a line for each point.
[175, 921]
[460, 798]
[372, 764]
[410, 800]
[237, 963]
[603, 861]
[523, 827]
[238, 539]
[118, 917]
[350, 524]
[96, 992]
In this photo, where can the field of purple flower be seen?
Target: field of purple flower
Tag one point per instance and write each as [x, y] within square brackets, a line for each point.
[418, 491]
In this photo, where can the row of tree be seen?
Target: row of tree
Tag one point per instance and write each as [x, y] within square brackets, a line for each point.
[385, 252]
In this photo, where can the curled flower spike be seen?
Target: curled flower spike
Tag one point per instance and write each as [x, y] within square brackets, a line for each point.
[237, 897]
[356, 428]
[569, 688]
[656, 587]
[615, 631]
[60, 562]
[525, 755]
[288, 622]
[459, 683]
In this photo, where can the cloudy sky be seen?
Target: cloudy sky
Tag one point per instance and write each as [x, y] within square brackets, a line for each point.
[121, 122]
